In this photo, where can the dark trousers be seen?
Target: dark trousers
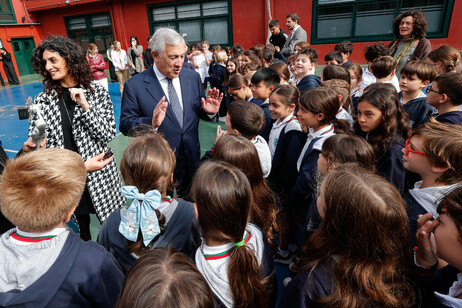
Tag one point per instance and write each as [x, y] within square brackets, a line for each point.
[112, 72]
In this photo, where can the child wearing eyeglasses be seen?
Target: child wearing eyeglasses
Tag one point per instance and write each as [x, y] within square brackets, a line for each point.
[445, 94]
[415, 76]
[434, 151]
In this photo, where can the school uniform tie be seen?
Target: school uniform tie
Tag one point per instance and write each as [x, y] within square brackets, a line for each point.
[175, 102]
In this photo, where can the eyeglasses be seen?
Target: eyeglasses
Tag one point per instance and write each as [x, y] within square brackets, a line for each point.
[430, 89]
[406, 145]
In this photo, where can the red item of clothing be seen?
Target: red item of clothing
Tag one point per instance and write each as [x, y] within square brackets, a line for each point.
[97, 66]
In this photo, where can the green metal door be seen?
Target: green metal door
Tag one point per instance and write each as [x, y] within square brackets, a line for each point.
[22, 49]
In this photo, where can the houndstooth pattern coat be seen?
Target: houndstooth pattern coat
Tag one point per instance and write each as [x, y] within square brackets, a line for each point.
[92, 130]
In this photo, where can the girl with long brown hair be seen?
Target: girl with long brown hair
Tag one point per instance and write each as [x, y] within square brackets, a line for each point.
[241, 153]
[384, 123]
[153, 219]
[356, 258]
[234, 257]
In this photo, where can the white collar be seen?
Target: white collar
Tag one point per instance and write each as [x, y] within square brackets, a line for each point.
[295, 29]
[159, 75]
[320, 132]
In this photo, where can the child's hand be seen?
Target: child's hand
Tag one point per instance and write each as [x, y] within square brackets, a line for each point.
[220, 133]
[426, 253]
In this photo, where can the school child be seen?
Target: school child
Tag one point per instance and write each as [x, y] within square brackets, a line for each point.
[306, 62]
[287, 140]
[439, 284]
[342, 88]
[44, 264]
[283, 70]
[333, 57]
[384, 69]
[241, 153]
[292, 60]
[247, 120]
[445, 58]
[383, 123]
[445, 94]
[239, 89]
[337, 150]
[434, 151]
[317, 111]
[416, 75]
[282, 103]
[263, 82]
[231, 69]
[350, 259]
[153, 219]
[164, 277]
[218, 71]
[346, 49]
[335, 72]
[208, 56]
[198, 60]
[356, 73]
[235, 257]
[250, 68]
[371, 52]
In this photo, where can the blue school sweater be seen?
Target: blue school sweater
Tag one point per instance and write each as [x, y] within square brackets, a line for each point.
[284, 165]
[301, 291]
[181, 232]
[452, 117]
[418, 110]
[83, 275]
[308, 82]
[430, 281]
[269, 120]
[217, 77]
[422, 201]
[390, 165]
[301, 193]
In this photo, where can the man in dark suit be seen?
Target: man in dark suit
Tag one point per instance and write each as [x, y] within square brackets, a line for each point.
[297, 34]
[172, 101]
[147, 55]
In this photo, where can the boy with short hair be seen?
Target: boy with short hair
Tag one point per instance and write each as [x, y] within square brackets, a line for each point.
[263, 82]
[333, 57]
[43, 263]
[247, 120]
[218, 69]
[306, 62]
[415, 76]
[371, 52]
[278, 36]
[445, 94]
[346, 49]
[434, 151]
[384, 69]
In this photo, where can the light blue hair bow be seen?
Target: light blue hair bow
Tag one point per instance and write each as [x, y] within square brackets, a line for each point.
[140, 216]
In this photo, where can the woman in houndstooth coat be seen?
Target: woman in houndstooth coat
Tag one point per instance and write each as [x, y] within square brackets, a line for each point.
[80, 117]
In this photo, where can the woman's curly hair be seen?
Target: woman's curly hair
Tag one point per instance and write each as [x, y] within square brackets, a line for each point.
[76, 62]
[420, 24]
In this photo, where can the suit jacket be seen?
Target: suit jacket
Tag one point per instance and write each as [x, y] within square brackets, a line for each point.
[141, 94]
[299, 36]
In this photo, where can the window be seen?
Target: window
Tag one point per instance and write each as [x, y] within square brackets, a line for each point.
[91, 28]
[367, 20]
[7, 12]
[207, 20]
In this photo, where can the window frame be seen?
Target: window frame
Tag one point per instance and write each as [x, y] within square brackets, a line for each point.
[10, 12]
[448, 7]
[89, 29]
[201, 18]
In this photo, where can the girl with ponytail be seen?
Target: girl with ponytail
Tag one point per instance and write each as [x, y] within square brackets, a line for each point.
[235, 257]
